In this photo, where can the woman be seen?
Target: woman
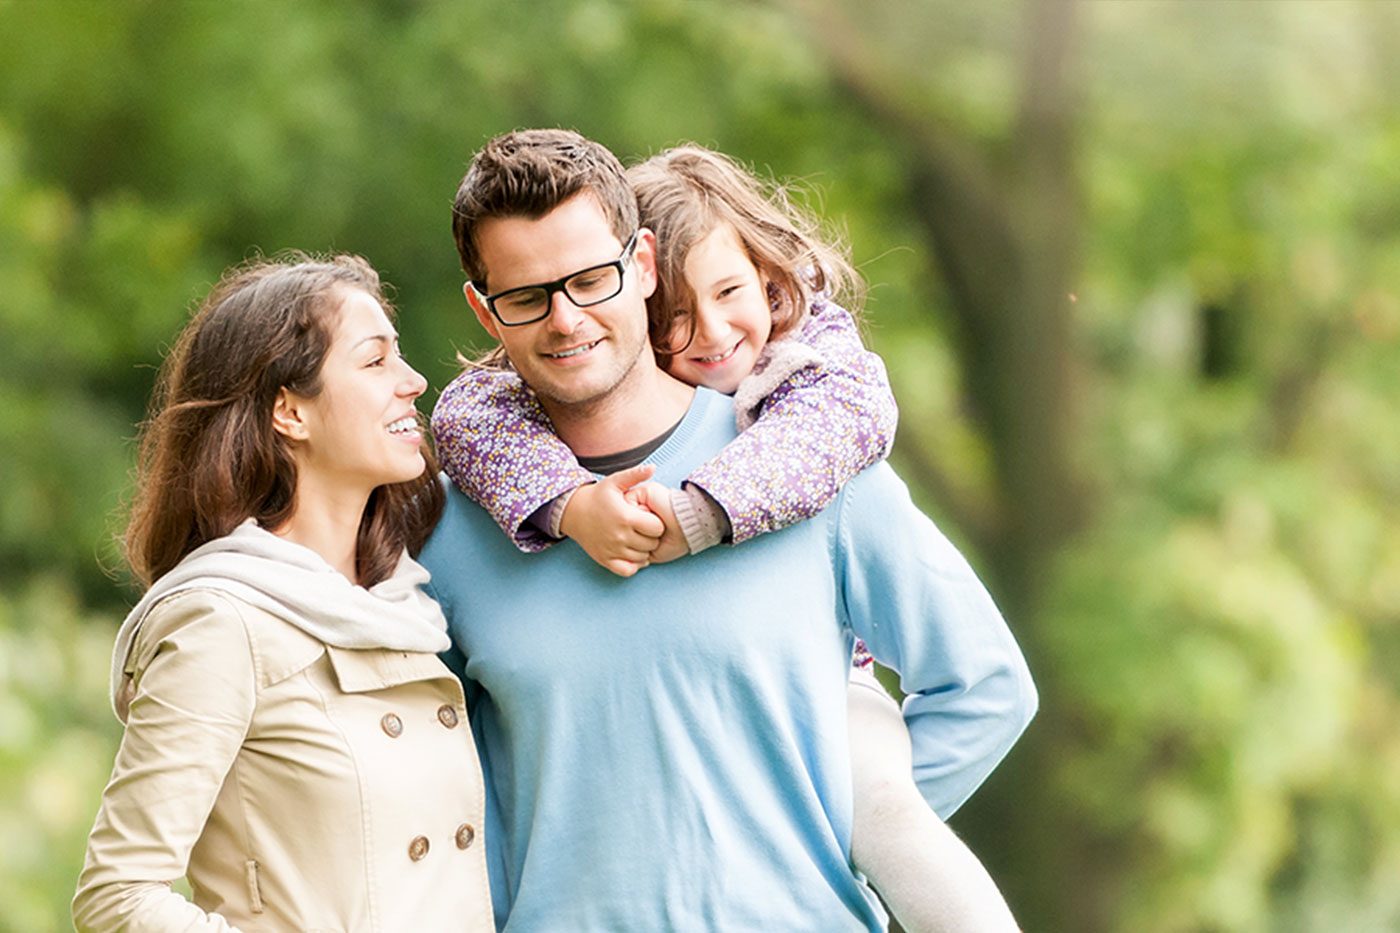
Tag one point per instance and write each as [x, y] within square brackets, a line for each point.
[293, 746]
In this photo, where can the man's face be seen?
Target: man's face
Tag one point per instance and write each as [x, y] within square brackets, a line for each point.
[573, 356]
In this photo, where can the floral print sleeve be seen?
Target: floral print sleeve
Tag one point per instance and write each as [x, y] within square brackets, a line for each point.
[821, 410]
[496, 443]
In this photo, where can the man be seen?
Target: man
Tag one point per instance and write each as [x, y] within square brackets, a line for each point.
[669, 751]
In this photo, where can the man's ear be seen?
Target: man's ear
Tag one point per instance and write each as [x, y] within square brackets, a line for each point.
[288, 419]
[644, 261]
[483, 314]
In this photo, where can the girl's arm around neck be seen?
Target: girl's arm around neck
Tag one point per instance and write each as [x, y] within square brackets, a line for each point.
[496, 444]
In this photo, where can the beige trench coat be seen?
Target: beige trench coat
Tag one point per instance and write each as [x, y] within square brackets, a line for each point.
[298, 786]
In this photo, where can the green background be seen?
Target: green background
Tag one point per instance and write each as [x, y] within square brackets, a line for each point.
[1134, 266]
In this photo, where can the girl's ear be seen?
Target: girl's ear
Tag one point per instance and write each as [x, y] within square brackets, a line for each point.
[288, 419]
[775, 293]
[483, 314]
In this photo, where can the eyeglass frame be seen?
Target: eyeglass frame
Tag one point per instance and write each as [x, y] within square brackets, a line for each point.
[558, 285]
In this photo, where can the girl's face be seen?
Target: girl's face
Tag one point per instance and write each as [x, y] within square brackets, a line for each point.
[730, 314]
[361, 430]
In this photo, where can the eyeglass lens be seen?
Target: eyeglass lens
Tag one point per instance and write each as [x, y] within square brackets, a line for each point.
[588, 287]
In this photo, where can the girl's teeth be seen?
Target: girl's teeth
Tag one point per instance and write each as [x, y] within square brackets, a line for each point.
[723, 356]
[403, 425]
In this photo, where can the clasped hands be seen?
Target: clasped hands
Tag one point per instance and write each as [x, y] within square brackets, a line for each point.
[625, 521]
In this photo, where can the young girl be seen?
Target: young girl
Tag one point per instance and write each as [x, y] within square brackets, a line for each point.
[742, 306]
[294, 746]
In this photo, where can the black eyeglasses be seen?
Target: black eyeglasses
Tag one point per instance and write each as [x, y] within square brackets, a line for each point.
[530, 303]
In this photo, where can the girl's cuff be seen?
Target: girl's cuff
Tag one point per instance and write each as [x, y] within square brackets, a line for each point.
[556, 513]
[701, 518]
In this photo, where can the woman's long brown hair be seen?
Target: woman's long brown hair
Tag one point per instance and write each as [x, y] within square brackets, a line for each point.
[209, 457]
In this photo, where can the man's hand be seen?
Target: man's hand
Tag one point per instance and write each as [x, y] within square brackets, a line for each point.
[613, 528]
[657, 499]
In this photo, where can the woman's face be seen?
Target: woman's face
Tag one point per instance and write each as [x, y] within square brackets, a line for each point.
[361, 431]
[730, 312]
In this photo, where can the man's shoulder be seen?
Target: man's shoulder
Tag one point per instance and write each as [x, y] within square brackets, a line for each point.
[874, 511]
[708, 425]
[462, 527]
[878, 525]
[877, 486]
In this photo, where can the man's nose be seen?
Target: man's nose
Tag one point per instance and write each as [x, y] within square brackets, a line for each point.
[564, 315]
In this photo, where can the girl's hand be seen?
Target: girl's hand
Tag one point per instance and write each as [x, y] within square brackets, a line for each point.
[611, 527]
[656, 498]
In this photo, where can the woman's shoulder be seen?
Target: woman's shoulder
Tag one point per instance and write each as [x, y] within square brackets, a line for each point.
[208, 618]
[201, 611]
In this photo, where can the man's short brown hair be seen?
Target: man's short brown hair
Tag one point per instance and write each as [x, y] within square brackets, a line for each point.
[528, 173]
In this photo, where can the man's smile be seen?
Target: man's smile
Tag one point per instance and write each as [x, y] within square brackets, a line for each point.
[574, 351]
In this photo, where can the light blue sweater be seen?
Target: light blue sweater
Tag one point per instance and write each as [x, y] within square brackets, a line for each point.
[669, 752]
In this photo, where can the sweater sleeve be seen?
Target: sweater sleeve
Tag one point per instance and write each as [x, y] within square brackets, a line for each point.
[915, 601]
[194, 699]
[821, 411]
[496, 444]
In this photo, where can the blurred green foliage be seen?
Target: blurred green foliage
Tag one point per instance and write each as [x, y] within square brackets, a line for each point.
[1218, 640]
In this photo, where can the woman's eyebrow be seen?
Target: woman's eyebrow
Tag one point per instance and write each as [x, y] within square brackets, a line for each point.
[387, 339]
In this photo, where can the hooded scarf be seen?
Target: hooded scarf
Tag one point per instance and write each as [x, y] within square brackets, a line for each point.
[297, 585]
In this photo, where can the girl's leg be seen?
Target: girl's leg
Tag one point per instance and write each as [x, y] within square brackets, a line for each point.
[927, 877]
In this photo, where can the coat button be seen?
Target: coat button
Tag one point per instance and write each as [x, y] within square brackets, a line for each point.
[392, 725]
[465, 835]
[418, 848]
[447, 715]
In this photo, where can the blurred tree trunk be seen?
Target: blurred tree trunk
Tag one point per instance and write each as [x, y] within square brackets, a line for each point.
[1003, 221]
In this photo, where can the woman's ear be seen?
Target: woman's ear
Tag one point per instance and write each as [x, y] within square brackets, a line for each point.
[287, 416]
